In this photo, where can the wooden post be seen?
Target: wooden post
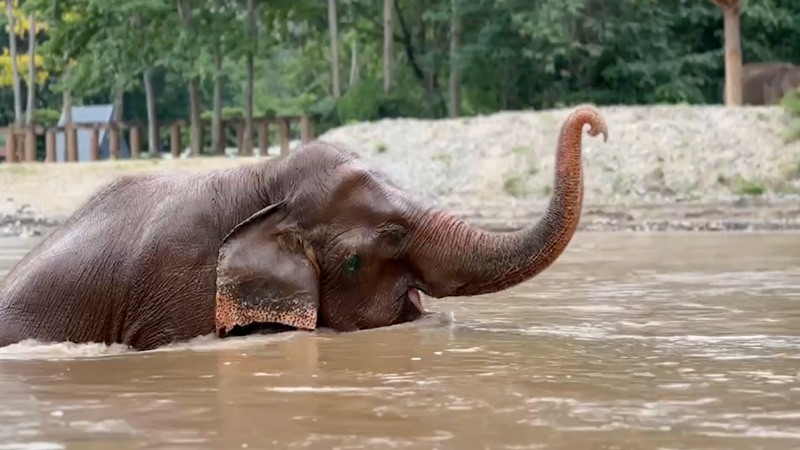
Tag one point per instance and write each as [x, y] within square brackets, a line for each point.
[135, 142]
[50, 146]
[263, 137]
[175, 140]
[30, 144]
[223, 136]
[11, 145]
[94, 144]
[240, 138]
[21, 146]
[113, 141]
[283, 125]
[71, 139]
[305, 129]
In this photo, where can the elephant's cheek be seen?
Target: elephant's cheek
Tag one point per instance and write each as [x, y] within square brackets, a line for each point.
[234, 310]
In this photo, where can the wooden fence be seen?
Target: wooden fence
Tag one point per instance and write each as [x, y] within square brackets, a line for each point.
[21, 141]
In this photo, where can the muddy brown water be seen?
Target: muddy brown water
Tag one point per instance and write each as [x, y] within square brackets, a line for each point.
[630, 341]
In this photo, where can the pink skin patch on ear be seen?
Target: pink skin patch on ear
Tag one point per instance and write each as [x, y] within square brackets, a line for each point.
[229, 313]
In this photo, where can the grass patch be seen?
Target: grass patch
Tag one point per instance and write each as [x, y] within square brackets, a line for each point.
[751, 188]
[791, 104]
[549, 119]
[521, 150]
[514, 185]
[19, 169]
[790, 171]
[381, 147]
[618, 183]
[445, 158]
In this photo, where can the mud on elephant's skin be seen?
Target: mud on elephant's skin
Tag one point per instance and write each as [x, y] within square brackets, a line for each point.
[312, 239]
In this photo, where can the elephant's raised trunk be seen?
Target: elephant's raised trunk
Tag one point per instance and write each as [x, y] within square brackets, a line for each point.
[460, 260]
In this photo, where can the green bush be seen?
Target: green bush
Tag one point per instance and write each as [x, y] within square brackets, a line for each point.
[791, 104]
[47, 117]
[228, 113]
[366, 101]
[360, 102]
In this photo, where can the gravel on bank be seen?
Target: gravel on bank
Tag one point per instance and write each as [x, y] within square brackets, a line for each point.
[672, 167]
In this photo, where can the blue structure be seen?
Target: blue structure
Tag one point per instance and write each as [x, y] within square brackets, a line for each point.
[86, 115]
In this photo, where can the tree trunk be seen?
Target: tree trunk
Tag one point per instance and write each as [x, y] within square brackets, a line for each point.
[247, 139]
[197, 127]
[66, 94]
[66, 111]
[355, 73]
[31, 70]
[733, 55]
[66, 99]
[388, 45]
[334, 29]
[196, 136]
[12, 49]
[436, 101]
[119, 98]
[217, 144]
[152, 118]
[454, 105]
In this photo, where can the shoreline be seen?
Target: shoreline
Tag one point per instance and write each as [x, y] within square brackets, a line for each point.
[25, 222]
[664, 168]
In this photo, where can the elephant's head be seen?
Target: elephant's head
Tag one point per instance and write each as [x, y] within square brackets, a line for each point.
[347, 249]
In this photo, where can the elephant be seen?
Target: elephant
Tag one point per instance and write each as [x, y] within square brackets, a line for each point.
[314, 239]
[767, 83]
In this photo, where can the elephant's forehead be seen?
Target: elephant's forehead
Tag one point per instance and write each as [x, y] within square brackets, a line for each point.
[366, 188]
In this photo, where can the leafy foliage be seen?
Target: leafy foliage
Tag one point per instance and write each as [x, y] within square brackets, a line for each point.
[22, 62]
[791, 103]
[47, 117]
[514, 54]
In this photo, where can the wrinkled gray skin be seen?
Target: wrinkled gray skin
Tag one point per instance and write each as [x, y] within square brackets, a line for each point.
[311, 240]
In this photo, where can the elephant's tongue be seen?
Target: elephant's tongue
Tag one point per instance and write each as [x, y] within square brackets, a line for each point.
[416, 299]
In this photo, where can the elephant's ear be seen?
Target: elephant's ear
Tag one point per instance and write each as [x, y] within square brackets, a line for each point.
[266, 273]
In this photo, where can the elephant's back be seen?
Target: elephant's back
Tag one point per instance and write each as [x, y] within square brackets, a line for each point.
[82, 281]
[69, 286]
[136, 264]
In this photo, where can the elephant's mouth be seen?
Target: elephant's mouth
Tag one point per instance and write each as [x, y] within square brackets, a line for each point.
[415, 298]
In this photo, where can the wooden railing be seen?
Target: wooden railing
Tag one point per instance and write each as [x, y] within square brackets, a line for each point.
[21, 141]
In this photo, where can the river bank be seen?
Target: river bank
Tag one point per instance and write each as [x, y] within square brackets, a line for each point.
[694, 168]
[747, 215]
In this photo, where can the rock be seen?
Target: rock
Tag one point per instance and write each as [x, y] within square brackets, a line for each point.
[23, 221]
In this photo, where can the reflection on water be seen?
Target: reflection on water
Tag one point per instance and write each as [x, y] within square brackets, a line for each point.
[628, 341]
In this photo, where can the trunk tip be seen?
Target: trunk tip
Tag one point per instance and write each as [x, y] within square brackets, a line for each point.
[586, 113]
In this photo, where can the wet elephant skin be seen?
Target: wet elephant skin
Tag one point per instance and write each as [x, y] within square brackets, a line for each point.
[313, 239]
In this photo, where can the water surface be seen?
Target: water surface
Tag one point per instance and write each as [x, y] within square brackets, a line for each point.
[663, 341]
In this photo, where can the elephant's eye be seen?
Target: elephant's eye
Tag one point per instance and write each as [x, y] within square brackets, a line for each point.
[353, 264]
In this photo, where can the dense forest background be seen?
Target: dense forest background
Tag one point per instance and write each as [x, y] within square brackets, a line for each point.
[326, 58]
